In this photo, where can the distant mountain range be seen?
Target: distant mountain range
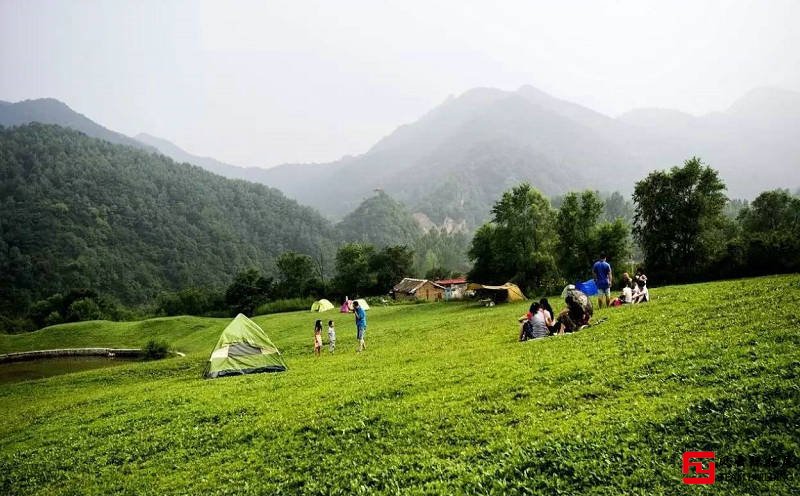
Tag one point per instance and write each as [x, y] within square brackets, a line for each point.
[455, 161]
[52, 111]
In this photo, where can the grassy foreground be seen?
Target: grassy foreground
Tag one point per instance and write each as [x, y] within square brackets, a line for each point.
[443, 401]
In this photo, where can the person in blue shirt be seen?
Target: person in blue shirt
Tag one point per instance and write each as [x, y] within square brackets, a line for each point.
[361, 326]
[603, 277]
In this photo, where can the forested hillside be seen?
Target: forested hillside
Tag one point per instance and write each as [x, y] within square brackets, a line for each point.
[381, 221]
[78, 212]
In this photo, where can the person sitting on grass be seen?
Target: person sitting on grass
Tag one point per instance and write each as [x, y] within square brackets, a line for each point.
[549, 315]
[627, 295]
[577, 313]
[641, 294]
[317, 337]
[534, 324]
[525, 327]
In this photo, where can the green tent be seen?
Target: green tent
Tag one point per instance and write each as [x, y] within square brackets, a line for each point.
[322, 305]
[243, 348]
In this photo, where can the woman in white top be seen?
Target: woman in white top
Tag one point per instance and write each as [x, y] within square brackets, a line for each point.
[641, 295]
[627, 295]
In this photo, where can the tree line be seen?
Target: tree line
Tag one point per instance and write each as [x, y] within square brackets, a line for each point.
[684, 226]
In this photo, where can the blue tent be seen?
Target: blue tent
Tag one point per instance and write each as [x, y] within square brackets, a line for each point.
[589, 288]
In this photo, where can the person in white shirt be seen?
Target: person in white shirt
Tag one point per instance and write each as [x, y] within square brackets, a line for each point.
[331, 336]
[627, 295]
[641, 294]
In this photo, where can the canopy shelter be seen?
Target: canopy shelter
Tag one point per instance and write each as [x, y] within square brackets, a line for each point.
[322, 305]
[243, 348]
[507, 292]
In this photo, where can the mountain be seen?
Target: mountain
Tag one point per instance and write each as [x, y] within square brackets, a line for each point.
[455, 161]
[253, 174]
[52, 111]
[752, 143]
[381, 221]
[79, 212]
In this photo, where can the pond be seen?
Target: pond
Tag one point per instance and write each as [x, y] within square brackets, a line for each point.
[47, 367]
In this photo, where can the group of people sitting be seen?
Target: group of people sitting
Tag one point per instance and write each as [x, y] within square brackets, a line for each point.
[540, 320]
[633, 290]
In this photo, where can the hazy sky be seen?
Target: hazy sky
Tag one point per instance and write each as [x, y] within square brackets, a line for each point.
[267, 82]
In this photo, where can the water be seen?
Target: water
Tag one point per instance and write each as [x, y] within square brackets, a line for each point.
[48, 367]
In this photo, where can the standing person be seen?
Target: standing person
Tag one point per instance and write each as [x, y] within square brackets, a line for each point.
[317, 337]
[603, 278]
[331, 336]
[361, 326]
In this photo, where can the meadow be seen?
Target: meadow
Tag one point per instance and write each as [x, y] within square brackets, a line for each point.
[444, 400]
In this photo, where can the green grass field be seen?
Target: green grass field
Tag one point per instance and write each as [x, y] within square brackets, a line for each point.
[443, 401]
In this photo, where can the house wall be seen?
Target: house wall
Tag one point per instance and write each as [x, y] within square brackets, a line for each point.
[429, 292]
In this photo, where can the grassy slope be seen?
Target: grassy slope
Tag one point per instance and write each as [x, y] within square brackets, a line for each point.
[444, 400]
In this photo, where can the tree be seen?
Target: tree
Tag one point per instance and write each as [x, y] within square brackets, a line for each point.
[295, 272]
[613, 240]
[577, 219]
[390, 265]
[248, 290]
[617, 207]
[770, 228]
[678, 220]
[582, 240]
[353, 275]
[518, 244]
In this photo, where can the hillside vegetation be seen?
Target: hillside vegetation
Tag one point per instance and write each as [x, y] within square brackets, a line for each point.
[78, 212]
[444, 400]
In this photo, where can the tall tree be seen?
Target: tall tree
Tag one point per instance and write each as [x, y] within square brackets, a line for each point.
[390, 265]
[577, 219]
[295, 271]
[582, 239]
[679, 221]
[353, 275]
[248, 290]
[770, 228]
[518, 244]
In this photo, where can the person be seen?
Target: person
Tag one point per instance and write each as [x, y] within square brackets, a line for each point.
[577, 313]
[317, 337]
[638, 276]
[331, 336]
[627, 295]
[626, 280]
[549, 315]
[361, 326]
[603, 277]
[525, 327]
[540, 322]
[641, 294]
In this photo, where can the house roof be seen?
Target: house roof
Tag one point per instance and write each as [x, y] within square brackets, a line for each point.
[447, 282]
[410, 285]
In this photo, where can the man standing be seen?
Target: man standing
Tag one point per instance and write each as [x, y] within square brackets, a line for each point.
[603, 279]
[361, 326]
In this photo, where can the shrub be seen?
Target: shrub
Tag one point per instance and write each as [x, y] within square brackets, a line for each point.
[155, 349]
[285, 305]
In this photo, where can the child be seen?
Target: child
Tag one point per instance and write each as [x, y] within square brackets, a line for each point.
[331, 336]
[317, 337]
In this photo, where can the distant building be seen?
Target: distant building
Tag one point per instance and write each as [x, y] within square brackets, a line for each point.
[418, 289]
[453, 288]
